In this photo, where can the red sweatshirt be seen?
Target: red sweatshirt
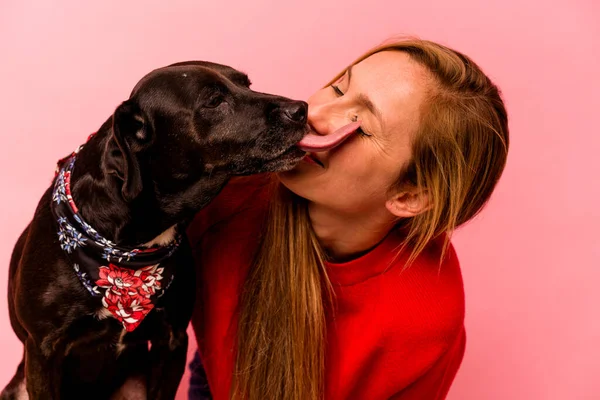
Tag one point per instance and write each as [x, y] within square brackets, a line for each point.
[396, 334]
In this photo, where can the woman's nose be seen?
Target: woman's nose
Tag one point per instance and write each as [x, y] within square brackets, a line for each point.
[324, 116]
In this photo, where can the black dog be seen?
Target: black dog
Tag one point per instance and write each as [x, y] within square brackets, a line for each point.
[101, 284]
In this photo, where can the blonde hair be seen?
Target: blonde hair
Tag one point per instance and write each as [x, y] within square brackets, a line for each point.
[459, 153]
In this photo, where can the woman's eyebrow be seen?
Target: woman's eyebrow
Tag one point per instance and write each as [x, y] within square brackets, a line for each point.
[365, 101]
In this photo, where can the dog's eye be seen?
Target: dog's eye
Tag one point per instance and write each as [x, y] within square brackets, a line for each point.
[214, 101]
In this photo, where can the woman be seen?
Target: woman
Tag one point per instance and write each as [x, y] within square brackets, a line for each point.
[336, 279]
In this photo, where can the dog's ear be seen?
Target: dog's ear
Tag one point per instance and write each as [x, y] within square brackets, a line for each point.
[131, 134]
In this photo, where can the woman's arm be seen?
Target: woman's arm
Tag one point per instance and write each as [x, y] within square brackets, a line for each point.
[435, 383]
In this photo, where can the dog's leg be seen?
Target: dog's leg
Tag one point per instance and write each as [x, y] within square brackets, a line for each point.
[15, 390]
[134, 388]
[168, 357]
[42, 373]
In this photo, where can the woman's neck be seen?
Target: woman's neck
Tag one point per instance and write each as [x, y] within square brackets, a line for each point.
[346, 236]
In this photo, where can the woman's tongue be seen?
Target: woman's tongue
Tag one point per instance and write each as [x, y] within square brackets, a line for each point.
[313, 142]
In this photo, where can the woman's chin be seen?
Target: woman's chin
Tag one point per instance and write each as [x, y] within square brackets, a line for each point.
[295, 179]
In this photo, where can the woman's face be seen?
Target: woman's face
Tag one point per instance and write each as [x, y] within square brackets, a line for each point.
[385, 92]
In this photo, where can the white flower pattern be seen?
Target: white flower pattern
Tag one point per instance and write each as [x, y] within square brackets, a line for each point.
[129, 281]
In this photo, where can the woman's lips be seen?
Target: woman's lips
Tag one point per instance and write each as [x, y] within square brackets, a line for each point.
[310, 158]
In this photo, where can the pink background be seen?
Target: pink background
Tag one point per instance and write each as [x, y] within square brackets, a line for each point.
[530, 261]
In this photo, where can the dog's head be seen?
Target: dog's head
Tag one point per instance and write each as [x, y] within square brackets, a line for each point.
[191, 123]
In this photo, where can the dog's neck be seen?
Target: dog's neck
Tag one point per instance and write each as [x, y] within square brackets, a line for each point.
[98, 196]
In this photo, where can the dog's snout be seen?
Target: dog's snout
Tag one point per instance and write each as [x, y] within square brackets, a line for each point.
[295, 111]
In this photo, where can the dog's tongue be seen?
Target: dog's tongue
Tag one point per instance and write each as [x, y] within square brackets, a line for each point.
[313, 142]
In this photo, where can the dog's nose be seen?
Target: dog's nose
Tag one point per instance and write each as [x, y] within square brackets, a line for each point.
[295, 111]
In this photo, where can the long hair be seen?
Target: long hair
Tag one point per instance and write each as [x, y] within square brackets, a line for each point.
[458, 155]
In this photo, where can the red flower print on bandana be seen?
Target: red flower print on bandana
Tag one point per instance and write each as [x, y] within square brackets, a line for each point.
[128, 292]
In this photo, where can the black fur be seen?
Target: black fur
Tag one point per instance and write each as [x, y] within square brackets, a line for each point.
[164, 154]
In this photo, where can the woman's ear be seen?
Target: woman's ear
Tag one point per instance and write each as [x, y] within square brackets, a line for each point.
[408, 202]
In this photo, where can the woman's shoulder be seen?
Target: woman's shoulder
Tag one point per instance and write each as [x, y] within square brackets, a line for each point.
[435, 287]
[240, 193]
[415, 308]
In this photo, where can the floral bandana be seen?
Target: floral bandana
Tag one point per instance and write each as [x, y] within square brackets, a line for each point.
[129, 280]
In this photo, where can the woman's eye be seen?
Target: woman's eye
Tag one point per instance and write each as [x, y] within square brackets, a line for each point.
[360, 130]
[337, 90]
[363, 133]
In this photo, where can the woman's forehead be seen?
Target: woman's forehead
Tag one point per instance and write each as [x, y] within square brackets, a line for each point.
[391, 69]
[394, 82]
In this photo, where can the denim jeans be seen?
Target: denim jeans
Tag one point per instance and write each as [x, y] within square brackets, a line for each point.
[198, 383]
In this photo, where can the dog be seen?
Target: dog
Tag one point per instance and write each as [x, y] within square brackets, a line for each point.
[101, 282]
